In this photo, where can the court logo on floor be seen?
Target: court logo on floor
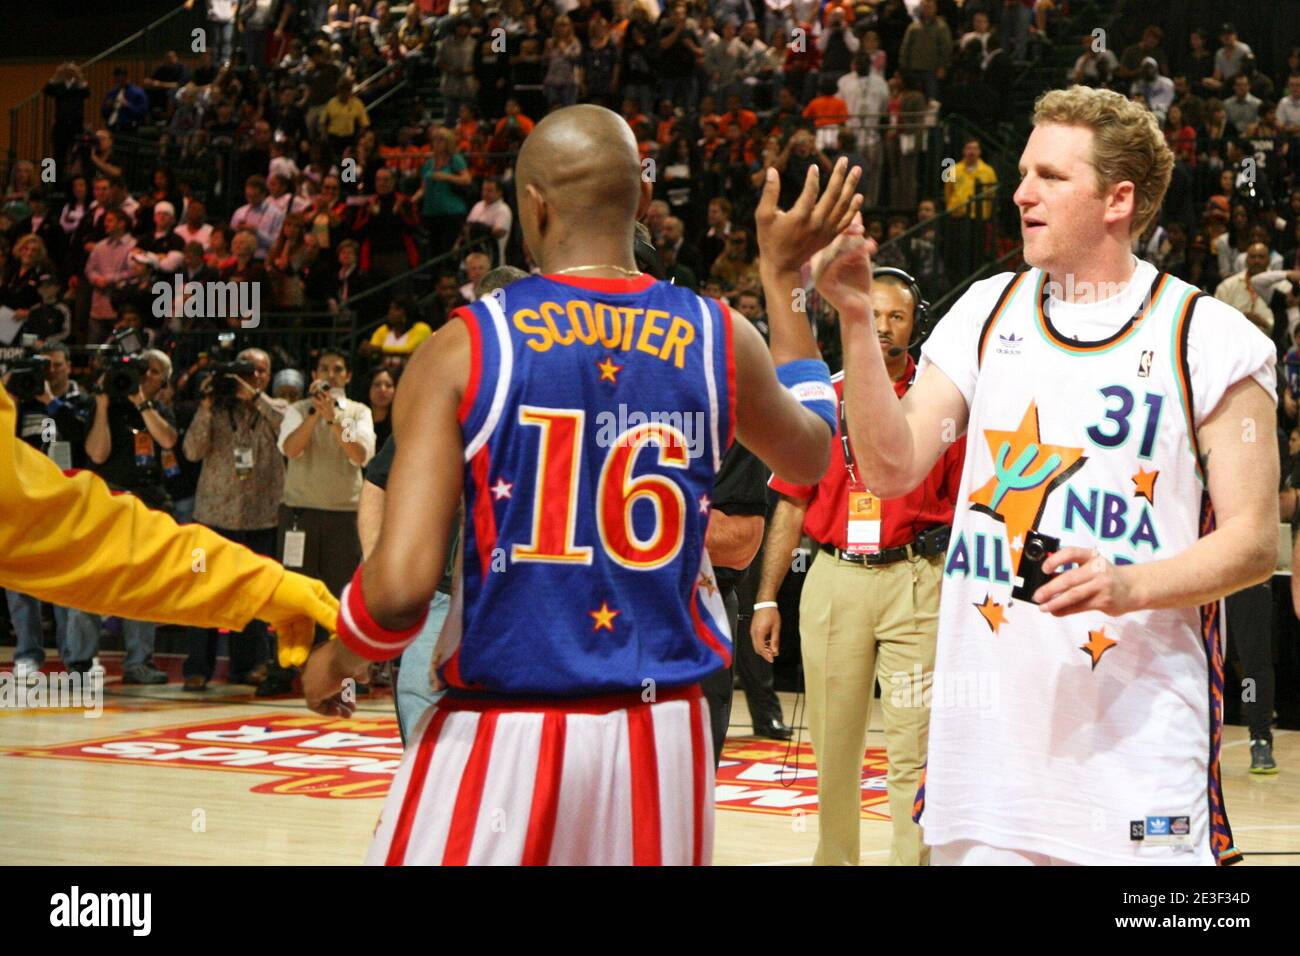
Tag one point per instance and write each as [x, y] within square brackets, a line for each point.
[769, 776]
[310, 755]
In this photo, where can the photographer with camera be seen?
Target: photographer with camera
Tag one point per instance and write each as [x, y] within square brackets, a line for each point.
[870, 604]
[234, 434]
[128, 433]
[52, 412]
[327, 438]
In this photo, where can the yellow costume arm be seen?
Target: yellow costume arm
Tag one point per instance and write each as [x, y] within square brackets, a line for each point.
[71, 541]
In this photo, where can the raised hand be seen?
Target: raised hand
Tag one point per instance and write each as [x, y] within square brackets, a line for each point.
[788, 239]
[842, 271]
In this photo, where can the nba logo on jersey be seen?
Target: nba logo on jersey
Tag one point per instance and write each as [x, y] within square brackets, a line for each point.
[1144, 364]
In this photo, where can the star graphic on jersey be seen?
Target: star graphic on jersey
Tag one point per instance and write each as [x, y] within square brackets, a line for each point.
[994, 614]
[604, 617]
[705, 504]
[709, 584]
[1146, 484]
[502, 489]
[1024, 473]
[1098, 644]
[609, 370]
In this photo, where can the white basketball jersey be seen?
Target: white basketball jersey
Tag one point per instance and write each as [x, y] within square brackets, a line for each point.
[1088, 737]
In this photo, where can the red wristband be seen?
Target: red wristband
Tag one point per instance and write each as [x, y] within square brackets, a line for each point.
[362, 635]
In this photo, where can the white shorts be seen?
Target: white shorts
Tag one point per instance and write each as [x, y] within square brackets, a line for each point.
[598, 781]
[971, 853]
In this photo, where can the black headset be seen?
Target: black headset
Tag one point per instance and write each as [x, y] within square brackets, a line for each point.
[921, 309]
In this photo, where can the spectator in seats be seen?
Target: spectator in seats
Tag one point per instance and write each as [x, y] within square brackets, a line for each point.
[477, 265]
[347, 281]
[1134, 56]
[719, 226]
[1238, 291]
[971, 177]
[679, 56]
[234, 434]
[1094, 67]
[343, 118]
[259, 215]
[446, 299]
[495, 214]
[107, 267]
[70, 91]
[737, 265]
[401, 333]
[195, 228]
[455, 62]
[386, 227]
[125, 105]
[838, 45]
[383, 386]
[441, 202]
[1156, 91]
[289, 263]
[563, 58]
[1242, 108]
[1227, 60]
[926, 50]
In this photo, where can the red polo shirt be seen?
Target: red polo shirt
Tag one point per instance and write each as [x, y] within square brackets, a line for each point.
[929, 504]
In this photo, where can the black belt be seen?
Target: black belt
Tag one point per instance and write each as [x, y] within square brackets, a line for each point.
[887, 556]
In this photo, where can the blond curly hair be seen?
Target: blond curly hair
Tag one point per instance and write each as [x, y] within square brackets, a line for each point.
[1127, 143]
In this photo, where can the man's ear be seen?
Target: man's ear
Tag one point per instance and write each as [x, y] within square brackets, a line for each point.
[539, 205]
[647, 196]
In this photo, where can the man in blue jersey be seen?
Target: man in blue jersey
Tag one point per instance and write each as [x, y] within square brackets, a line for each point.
[583, 414]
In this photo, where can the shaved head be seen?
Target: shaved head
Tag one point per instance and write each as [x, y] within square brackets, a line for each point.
[579, 175]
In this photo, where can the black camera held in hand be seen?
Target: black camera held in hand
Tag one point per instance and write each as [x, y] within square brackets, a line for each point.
[1036, 550]
[27, 377]
[123, 364]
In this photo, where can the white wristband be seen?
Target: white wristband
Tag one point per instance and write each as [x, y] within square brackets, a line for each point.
[762, 604]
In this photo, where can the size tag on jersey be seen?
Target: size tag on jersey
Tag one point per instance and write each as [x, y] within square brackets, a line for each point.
[243, 462]
[1162, 831]
[295, 546]
[171, 467]
[863, 536]
[143, 448]
[61, 454]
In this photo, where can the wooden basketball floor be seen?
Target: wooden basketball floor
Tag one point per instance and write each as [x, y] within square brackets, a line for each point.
[165, 777]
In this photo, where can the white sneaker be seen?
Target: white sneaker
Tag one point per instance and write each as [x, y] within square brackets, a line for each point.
[24, 669]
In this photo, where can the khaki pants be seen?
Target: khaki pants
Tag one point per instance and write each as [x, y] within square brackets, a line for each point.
[859, 624]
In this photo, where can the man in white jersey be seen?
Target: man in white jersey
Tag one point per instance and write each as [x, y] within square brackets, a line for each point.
[1078, 720]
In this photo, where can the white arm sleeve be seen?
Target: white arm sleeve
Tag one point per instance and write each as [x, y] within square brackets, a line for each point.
[1224, 347]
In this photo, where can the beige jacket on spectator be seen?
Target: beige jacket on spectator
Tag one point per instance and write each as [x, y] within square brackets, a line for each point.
[324, 478]
[223, 499]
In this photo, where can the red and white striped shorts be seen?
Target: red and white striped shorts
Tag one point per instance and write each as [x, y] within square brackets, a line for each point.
[598, 781]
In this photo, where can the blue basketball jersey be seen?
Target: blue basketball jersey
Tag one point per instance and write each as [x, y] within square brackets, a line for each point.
[595, 419]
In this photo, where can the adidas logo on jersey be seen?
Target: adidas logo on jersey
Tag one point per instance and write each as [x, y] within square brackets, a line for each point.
[1010, 344]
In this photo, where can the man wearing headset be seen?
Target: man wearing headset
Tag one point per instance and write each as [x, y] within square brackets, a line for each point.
[870, 605]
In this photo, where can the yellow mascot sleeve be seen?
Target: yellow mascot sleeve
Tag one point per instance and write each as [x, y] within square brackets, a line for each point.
[73, 542]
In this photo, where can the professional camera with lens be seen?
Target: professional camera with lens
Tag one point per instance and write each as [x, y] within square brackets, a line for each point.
[124, 365]
[225, 389]
[27, 377]
[1037, 548]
